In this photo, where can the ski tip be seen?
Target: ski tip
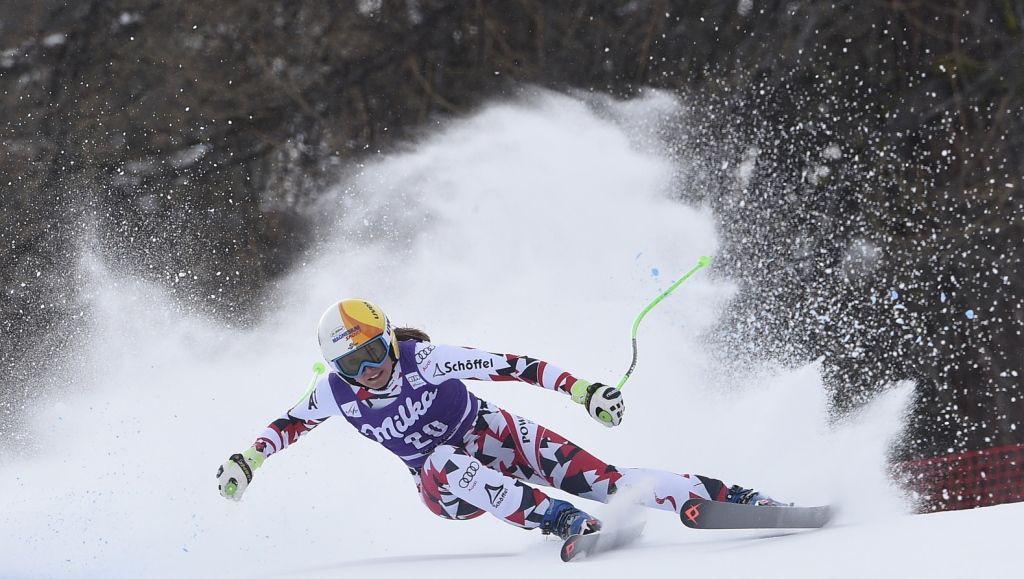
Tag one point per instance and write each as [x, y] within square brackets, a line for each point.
[705, 514]
[691, 514]
[825, 514]
[578, 546]
[569, 548]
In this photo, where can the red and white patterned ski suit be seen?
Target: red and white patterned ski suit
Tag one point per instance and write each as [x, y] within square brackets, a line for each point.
[481, 464]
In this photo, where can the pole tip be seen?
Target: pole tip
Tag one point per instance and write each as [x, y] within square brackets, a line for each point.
[319, 368]
[704, 261]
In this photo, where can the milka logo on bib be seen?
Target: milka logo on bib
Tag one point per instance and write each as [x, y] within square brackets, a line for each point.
[395, 426]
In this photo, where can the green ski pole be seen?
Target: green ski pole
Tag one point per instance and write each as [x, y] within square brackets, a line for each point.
[704, 261]
[318, 369]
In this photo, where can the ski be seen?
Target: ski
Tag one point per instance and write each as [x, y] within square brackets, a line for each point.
[600, 541]
[705, 514]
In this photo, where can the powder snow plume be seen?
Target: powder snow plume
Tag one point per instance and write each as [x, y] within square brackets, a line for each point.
[540, 226]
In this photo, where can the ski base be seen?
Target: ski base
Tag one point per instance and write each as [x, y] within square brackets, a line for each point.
[600, 541]
[705, 514]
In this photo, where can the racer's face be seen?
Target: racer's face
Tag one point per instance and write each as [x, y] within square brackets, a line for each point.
[377, 378]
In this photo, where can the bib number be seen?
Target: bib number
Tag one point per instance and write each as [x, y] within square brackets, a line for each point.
[434, 429]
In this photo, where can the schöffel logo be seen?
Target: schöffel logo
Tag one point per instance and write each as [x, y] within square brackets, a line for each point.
[463, 365]
[335, 338]
[467, 477]
[496, 494]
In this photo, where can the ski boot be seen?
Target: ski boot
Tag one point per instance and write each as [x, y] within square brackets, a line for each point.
[741, 496]
[564, 520]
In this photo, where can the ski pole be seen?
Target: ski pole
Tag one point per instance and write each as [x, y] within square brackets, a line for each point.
[318, 369]
[704, 261]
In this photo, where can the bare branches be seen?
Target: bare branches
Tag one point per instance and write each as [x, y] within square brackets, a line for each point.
[894, 126]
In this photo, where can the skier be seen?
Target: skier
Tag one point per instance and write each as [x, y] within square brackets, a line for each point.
[467, 456]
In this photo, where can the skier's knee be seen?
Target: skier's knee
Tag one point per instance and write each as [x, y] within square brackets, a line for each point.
[435, 488]
[453, 510]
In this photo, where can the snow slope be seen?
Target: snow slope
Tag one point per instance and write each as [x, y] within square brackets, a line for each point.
[539, 227]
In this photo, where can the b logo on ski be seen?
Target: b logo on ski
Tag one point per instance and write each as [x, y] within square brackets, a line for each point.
[705, 514]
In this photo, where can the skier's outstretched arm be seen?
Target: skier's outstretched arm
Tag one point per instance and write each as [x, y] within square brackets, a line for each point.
[234, 476]
[440, 362]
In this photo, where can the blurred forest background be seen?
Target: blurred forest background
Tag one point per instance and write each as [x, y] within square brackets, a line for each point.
[863, 158]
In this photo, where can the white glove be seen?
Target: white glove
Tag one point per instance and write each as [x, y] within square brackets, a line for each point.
[235, 475]
[603, 402]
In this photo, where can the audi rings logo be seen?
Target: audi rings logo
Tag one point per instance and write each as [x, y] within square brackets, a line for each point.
[424, 353]
[467, 477]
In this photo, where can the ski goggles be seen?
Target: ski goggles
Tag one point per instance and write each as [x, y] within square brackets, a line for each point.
[372, 354]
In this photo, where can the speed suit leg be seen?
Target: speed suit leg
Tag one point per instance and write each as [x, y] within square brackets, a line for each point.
[525, 450]
[455, 485]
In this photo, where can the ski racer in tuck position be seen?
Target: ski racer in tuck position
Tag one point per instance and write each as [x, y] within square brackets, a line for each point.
[467, 456]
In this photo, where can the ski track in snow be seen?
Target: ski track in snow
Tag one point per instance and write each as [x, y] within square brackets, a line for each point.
[538, 227]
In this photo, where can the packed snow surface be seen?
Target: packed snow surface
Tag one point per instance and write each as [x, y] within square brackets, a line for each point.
[539, 227]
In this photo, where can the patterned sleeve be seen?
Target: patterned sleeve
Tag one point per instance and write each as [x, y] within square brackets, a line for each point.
[309, 413]
[440, 362]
